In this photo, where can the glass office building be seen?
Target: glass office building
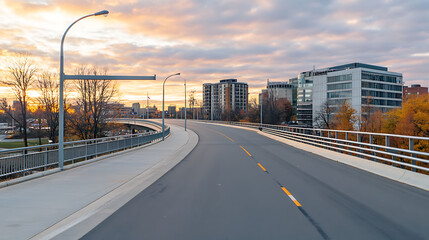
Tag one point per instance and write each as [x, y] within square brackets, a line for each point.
[359, 84]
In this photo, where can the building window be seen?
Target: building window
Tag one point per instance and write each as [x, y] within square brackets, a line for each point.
[381, 94]
[341, 78]
[381, 86]
[381, 102]
[340, 86]
[340, 94]
[381, 77]
[339, 101]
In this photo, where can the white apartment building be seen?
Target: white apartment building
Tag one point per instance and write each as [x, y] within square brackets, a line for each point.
[356, 83]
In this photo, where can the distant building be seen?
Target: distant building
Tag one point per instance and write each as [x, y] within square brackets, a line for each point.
[181, 113]
[356, 83]
[171, 111]
[277, 91]
[224, 97]
[294, 83]
[136, 108]
[151, 110]
[16, 105]
[126, 111]
[415, 89]
[114, 109]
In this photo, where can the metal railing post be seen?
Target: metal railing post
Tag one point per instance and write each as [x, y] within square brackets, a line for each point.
[359, 139]
[46, 158]
[86, 150]
[329, 138]
[73, 158]
[387, 144]
[96, 148]
[24, 164]
[371, 141]
[336, 140]
[411, 147]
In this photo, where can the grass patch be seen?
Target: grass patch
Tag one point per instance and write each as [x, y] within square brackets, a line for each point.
[35, 142]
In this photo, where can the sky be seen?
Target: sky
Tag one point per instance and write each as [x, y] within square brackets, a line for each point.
[209, 40]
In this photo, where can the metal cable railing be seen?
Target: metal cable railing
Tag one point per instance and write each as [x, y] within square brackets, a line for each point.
[43, 157]
[372, 146]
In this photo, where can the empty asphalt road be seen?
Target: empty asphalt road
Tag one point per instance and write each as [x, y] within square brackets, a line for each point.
[237, 184]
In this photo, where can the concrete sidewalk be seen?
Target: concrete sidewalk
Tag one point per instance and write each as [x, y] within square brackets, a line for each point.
[67, 204]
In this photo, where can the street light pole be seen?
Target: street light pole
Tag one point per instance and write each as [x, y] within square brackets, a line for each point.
[261, 114]
[147, 104]
[163, 87]
[61, 90]
[185, 104]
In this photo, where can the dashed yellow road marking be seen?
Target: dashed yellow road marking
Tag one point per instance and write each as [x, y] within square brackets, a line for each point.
[291, 197]
[262, 167]
[224, 135]
[245, 150]
[283, 188]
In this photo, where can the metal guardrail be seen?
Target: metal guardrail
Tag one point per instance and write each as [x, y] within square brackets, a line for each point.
[42, 157]
[373, 146]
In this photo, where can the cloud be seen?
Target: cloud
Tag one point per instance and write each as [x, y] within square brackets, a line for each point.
[251, 40]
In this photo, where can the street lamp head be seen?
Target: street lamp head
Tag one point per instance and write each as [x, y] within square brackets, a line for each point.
[104, 12]
[177, 74]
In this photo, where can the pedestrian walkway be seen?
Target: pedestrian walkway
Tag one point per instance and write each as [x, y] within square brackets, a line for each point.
[52, 206]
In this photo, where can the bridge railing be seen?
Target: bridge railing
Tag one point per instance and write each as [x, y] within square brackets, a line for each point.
[396, 150]
[43, 157]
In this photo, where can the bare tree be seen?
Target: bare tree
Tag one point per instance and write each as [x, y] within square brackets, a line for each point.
[90, 117]
[253, 113]
[48, 85]
[324, 116]
[192, 102]
[276, 110]
[22, 72]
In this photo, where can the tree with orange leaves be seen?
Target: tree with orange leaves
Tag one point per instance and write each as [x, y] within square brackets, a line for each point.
[345, 118]
[411, 119]
[372, 119]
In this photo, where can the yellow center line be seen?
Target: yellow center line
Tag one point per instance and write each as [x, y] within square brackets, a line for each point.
[283, 188]
[262, 167]
[291, 197]
[286, 191]
[245, 150]
[224, 135]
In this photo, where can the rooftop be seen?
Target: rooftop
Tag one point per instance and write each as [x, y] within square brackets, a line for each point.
[323, 71]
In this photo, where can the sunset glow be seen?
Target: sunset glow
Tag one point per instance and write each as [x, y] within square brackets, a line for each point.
[210, 40]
